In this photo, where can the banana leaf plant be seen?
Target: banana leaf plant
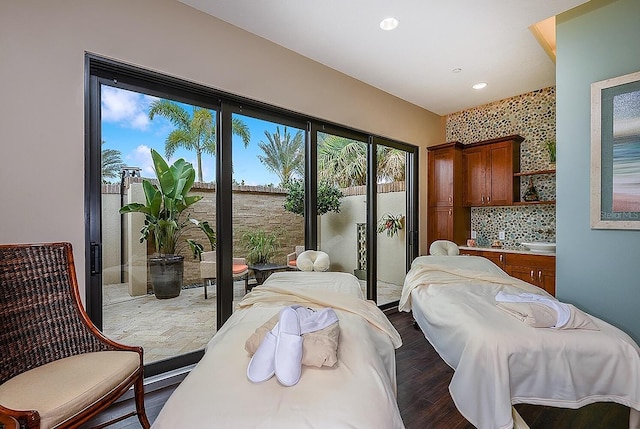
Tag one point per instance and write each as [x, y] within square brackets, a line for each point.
[165, 203]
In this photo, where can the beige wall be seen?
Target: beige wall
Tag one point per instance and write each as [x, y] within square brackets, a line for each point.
[42, 52]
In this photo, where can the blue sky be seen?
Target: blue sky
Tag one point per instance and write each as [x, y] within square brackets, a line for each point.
[126, 127]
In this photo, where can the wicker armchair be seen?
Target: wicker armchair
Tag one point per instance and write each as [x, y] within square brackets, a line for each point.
[56, 369]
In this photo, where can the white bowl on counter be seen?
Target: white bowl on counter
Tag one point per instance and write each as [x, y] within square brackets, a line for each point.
[541, 246]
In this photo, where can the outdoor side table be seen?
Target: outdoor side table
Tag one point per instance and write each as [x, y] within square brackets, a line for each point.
[262, 271]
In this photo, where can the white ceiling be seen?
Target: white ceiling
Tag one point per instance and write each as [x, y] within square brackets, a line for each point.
[488, 39]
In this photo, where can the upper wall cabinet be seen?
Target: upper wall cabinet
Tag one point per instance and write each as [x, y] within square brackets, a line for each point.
[488, 172]
[447, 218]
[445, 164]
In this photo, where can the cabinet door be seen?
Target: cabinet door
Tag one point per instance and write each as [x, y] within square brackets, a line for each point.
[547, 280]
[538, 270]
[441, 177]
[440, 224]
[495, 257]
[474, 164]
[528, 274]
[499, 177]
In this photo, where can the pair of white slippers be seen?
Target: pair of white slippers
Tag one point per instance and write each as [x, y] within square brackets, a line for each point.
[280, 352]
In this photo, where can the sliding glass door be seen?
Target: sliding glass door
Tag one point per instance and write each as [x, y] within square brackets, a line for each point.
[134, 310]
[341, 201]
[392, 205]
[268, 193]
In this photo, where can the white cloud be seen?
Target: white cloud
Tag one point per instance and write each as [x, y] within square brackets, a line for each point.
[125, 107]
[141, 157]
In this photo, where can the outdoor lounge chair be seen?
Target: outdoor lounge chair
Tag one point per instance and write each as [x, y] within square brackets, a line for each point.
[57, 370]
[208, 269]
[293, 257]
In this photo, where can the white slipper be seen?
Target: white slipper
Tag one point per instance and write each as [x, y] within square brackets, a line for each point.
[261, 366]
[288, 356]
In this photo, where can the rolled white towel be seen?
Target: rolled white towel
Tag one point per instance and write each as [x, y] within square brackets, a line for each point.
[562, 310]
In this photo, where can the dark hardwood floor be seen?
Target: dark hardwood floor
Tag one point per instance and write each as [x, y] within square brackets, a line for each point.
[423, 395]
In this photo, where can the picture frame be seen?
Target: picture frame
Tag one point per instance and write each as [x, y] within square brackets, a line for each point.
[615, 153]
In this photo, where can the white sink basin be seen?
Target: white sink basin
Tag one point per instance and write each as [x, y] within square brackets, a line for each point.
[541, 246]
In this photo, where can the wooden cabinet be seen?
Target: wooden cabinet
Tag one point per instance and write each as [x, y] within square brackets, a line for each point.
[447, 218]
[489, 168]
[441, 164]
[539, 270]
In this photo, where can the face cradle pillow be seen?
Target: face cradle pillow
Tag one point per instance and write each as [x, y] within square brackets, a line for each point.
[444, 248]
[313, 260]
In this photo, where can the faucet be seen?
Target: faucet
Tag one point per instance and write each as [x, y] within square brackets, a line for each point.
[546, 232]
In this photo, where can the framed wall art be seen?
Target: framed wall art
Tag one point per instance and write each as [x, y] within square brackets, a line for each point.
[615, 153]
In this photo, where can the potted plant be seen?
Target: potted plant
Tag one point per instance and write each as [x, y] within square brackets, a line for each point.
[391, 224]
[164, 225]
[261, 245]
[551, 148]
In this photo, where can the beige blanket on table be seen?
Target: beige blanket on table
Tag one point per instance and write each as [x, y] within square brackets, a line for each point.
[500, 361]
[359, 391]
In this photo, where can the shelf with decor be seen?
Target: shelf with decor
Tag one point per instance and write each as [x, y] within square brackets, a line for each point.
[524, 201]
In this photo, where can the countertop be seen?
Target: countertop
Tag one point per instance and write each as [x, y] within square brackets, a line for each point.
[504, 250]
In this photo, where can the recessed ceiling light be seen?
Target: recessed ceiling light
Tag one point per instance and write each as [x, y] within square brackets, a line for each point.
[480, 85]
[456, 70]
[388, 23]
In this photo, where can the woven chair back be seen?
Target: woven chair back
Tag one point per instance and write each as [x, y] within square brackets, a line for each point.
[40, 309]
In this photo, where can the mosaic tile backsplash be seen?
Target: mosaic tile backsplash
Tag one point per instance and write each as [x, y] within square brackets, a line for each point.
[520, 224]
[533, 116]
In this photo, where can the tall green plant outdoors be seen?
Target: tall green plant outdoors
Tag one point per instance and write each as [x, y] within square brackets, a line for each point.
[261, 245]
[164, 205]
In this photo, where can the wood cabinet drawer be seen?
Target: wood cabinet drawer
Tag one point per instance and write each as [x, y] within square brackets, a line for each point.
[529, 260]
[497, 258]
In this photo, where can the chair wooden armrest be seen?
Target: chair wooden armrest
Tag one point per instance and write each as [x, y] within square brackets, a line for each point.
[30, 418]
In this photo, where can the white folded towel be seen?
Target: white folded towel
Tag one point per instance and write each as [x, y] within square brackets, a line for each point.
[314, 320]
[563, 310]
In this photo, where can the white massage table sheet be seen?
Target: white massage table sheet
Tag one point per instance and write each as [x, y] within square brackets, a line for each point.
[499, 360]
[358, 392]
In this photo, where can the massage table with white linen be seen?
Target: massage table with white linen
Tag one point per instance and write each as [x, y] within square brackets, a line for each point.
[359, 391]
[499, 360]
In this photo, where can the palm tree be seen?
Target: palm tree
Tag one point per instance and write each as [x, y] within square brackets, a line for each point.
[344, 161]
[283, 155]
[196, 131]
[111, 163]
[391, 164]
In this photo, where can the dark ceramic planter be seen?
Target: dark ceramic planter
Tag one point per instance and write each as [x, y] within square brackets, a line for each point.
[166, 275]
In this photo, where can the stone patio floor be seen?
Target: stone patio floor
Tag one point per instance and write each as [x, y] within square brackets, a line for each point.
[169, 327]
